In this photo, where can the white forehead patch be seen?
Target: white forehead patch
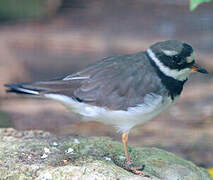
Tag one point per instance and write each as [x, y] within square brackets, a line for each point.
[169, 52]
[190, 58]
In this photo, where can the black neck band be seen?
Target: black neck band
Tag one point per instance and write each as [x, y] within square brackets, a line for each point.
[173, 85]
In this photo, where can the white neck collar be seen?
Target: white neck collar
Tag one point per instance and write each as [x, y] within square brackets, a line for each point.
[181, 75]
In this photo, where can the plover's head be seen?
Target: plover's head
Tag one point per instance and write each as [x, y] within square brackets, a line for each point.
[175, 59]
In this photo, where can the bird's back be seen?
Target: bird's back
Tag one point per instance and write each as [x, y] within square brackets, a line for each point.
[116, 83]
[119, 82]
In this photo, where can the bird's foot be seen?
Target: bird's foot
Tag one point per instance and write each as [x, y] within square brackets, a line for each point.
[136, 170]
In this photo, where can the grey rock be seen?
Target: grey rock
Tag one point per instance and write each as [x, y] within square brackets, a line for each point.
[21, 155]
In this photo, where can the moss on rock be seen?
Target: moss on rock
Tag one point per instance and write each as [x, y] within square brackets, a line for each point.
[41, 155]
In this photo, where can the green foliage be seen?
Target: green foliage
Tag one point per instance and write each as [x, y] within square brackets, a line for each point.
[27, 9]
[195, 3]
[5, 121]
[14, 9]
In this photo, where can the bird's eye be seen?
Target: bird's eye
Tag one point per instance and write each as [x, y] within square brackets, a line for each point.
[176, 59]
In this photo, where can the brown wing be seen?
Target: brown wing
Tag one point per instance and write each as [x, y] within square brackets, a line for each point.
[116, 83]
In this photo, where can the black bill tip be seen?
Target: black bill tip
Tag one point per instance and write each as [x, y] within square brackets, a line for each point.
[198, 68]
[202, 70]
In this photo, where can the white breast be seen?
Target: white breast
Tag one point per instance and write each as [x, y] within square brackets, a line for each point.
[122, 120]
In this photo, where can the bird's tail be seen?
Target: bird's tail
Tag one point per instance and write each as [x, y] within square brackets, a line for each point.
[21, 88]
[41, 88]
[61, 90]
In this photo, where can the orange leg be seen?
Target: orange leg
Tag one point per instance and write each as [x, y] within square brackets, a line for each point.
[125, 142]
[129, 167]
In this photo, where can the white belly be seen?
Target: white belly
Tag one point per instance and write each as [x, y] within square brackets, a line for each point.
[122, 120]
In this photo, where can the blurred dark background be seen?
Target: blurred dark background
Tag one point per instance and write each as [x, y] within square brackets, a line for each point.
[43, 39]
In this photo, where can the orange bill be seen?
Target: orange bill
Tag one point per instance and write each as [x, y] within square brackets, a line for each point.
[198, 68]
